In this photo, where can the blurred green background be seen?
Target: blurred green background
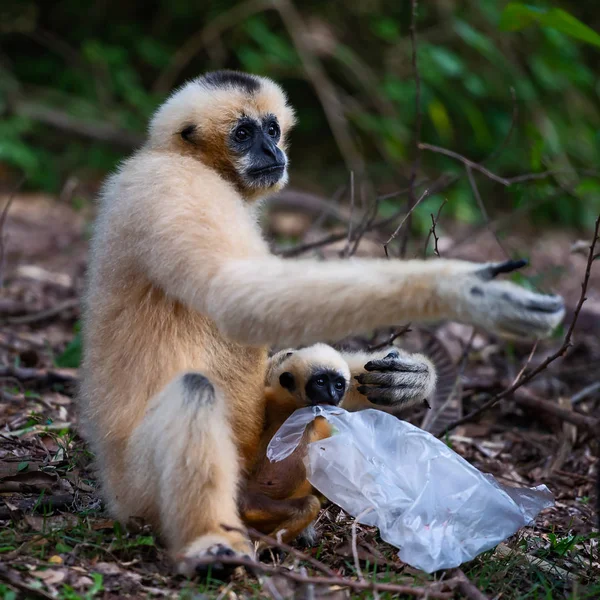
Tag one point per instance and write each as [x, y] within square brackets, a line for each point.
[78, 82]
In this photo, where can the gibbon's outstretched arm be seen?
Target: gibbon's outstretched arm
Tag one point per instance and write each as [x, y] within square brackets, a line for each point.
[265, 300]
[272, 301]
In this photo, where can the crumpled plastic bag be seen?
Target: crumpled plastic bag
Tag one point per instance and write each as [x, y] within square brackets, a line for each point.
[426, 500]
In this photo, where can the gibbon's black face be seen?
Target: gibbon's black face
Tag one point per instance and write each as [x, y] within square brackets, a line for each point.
[260, 163]
[322, 387]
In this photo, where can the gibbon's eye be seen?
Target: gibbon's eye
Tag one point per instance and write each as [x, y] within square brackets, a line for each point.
[242, 133]
[339, 385]
[320, 381]
[273, 129]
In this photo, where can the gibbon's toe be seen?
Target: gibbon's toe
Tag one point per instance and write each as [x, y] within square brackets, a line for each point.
[202, 557]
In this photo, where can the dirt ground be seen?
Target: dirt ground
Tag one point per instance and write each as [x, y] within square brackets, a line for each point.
[56, 541]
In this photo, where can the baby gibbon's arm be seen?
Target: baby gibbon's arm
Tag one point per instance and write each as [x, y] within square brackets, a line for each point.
[273, 301]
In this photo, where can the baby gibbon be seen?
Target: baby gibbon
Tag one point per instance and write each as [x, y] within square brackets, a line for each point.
[278, 498]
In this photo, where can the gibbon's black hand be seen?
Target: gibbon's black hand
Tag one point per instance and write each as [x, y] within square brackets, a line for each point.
[397, 380]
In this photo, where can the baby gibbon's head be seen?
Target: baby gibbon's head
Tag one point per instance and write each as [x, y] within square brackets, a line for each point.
[233, 122]
[314, 375]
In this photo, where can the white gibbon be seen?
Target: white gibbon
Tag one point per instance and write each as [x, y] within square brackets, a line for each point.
[184, 298]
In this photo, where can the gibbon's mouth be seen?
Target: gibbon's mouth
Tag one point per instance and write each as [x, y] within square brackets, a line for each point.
[267, 170]
[323, 403]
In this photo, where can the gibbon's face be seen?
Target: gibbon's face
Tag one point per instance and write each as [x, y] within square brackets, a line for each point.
[233, 122]
[314, 375]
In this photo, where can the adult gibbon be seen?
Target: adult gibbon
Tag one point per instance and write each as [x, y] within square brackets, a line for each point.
[184, 298]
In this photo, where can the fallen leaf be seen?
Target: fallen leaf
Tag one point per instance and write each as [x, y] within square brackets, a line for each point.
[51, 576]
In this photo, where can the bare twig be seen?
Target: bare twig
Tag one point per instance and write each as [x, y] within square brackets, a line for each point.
[271, 541]
[412, 198]
[465, 161]
[42, 377]
[467, 589]
[348, 242]
[526, 377]
[526, 398]
[482, 207]
[43, 314]
[355, 542]
[431, 591]
[11, 577]
[104, 132]
[3, 216]
[586, 392]
[434, 222]
[406, 217]
[513, 123]
[203, 38]
[393, 337]
[323, 87]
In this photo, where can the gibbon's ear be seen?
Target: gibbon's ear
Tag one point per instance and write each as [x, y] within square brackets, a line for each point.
[188, 134]
[287, 381]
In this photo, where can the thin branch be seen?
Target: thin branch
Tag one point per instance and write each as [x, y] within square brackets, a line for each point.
[412, 199]
[42, 377]
[466, 161]
[467, 589]
[317, 564]
[104, 132]
[348, 242]
[257, 567]
[323, 87]
[3, 216]
[393, 337]
[203, 38]
[513, 123]
[406, 217]
[43, 314]
[434, 222]
[526, 398]
[482, 208]
[525, 378]
[11, 577]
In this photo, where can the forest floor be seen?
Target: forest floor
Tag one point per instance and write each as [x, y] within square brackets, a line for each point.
[56, 541]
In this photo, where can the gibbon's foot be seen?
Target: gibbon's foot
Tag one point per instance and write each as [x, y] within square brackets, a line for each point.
[213, 546]
[397, 379]
[507, 309]
[309, 537]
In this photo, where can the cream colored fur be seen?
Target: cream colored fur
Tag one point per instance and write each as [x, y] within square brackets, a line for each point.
[180, 279]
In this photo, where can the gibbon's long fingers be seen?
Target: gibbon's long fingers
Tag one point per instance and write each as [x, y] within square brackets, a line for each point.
[171, 459]
[390, 378]
[491, 271]
[514, 311]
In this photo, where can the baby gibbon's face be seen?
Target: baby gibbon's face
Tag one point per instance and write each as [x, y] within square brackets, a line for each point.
[235, 123]
[323, 386]
[314, 375]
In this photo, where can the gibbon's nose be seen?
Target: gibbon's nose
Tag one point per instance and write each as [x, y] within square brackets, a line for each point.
[269, 149]
[332, 393]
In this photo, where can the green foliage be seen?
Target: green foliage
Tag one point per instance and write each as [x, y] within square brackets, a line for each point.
[110, 67]
[517, 16]
[71, 357]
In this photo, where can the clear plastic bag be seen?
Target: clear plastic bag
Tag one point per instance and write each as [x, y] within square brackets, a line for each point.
[426, 500]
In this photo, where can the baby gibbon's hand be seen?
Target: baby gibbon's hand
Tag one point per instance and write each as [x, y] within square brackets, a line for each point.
[502, 307]
[397, 379]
